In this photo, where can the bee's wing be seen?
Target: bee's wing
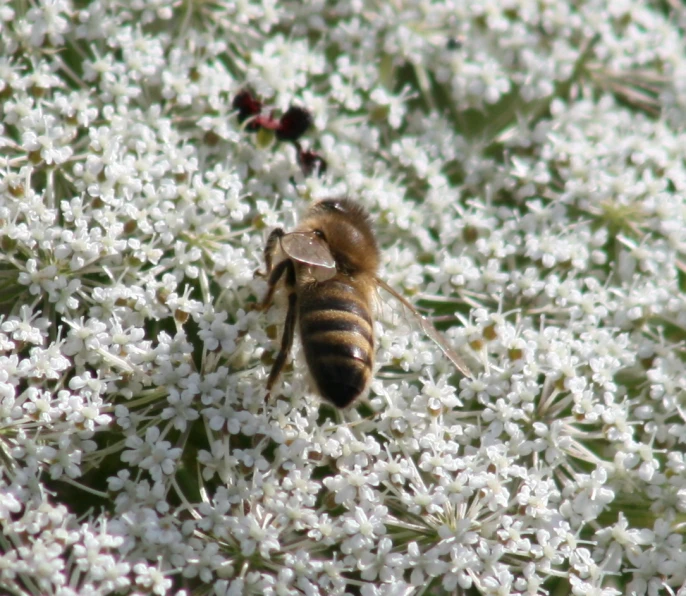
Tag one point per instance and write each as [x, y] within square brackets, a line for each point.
[308, 248]
[430, 330]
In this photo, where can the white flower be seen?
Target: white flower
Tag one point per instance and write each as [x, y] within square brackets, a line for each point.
[151, 578]
[48, 141]
[181, 411]
[215, 332]
[382, 563]
[363, 528]
[352, 484]
[26, 328]
[49, 19]
[255, 536]
[158, 457]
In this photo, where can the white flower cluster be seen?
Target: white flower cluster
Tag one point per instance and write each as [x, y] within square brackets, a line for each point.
[525, 166]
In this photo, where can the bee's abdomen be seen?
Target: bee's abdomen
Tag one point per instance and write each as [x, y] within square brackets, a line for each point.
[338, 340]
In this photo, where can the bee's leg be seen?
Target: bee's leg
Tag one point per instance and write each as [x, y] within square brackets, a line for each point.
[269, 249]
[288, 328]
[274, 277]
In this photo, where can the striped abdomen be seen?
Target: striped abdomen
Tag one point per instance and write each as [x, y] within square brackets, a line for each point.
[338, 338]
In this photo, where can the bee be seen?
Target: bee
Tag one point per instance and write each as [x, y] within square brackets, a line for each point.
[328, 265]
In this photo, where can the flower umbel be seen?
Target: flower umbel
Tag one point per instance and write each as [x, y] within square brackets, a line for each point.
[523, 164]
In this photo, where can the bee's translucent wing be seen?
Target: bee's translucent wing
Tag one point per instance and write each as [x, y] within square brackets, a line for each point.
[308, 248]
[430, 330]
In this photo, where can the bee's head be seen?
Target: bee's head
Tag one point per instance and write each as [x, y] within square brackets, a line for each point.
[346, 228]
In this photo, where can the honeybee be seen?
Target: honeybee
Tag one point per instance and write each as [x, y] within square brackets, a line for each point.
[328, 265]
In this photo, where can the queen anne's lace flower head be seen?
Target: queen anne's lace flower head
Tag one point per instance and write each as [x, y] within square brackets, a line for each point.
[524, 165]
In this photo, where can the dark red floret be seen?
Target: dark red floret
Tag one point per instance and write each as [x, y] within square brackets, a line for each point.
[310, 161]
[293, 124]
[247, 107]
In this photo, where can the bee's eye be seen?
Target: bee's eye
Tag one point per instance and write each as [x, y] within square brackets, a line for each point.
[320, 234]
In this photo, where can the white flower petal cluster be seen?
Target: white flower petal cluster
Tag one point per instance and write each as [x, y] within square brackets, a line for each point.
[525, 167]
